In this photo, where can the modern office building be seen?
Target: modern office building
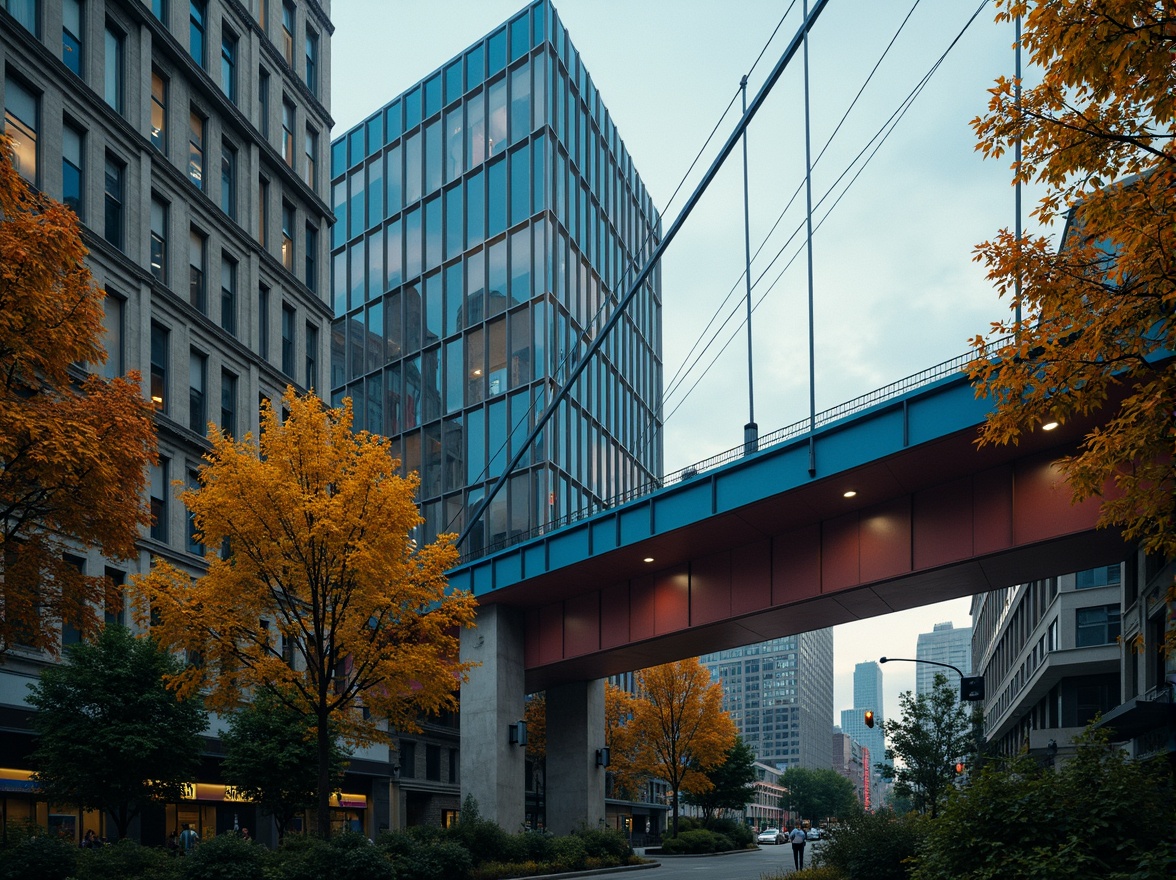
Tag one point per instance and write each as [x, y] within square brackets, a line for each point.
[488, 220]
[867, 695]
[944, 644]
[189, 137]
[1059, 652]
[780, 695]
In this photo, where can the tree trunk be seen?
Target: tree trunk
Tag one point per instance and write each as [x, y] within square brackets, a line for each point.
[675, 834]
[323, 820]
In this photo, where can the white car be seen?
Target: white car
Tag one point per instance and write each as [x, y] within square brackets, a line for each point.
[814, 834]
[770, 835]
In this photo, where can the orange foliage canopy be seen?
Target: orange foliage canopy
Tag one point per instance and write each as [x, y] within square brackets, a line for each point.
[314, 586]
[1099, 133]
[73, 448]
[676, 728]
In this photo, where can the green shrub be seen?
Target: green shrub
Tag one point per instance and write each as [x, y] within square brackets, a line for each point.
[433, 861]
[695, 842]
[226, 857]
[605, 843]
[569, 853]
[344, 857]
[39, 858]
[483, 840]
[125, 860]
[873, 846]
[533, 846]
[737, 832]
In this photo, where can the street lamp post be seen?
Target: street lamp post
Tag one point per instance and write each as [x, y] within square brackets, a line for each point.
[971, 686]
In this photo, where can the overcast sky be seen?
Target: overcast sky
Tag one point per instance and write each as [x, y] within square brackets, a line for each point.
[894, 285]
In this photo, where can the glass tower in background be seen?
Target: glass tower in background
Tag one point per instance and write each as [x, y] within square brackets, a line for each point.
[944, 644]
[780, 695]
[488, 220]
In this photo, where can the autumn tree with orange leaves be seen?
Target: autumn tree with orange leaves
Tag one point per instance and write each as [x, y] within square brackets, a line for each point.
[676, 730]
[74, 447]
[1099, 134]
[315, 588]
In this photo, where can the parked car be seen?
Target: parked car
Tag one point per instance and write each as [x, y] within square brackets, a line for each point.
[814, 834]
[770, 835]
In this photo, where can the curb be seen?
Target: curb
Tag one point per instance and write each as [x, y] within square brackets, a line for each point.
[593, 873]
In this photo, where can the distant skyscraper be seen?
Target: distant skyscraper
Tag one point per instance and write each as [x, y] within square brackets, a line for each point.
[944, 644]
[867, 694]
[780, 694]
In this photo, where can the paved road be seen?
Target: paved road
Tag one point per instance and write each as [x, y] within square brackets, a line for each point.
[735, 866]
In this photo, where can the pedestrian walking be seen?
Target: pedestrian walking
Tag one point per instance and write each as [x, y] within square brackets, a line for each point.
[798, 839]
[189, 839]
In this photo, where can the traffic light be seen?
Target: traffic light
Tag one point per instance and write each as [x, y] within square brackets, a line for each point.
[959, 768]
[869, 718]
[971, 688]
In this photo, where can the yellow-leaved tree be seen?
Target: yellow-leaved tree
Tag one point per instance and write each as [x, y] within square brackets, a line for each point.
[74, 448]
[1097, 329]
[676, 728]
[314, 585]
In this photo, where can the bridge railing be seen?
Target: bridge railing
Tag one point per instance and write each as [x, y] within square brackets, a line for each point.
[797, 429]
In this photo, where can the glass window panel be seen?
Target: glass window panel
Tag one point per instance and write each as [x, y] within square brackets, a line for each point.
[475, 210]
[475, 446]
[374, 132]
[520, 103]
[375, 192]
[71, 168]
[113, 82]
[539, 102]
[453, 83]
[394, 327]
[497, 439]
[357, 201]
[339, 204]
[496, 349]
[497, 284]
[520, 37]
[496, 51]
[454, 297]
[432, 95]
[541, 329]
[395, 181]
[431, 387]
[433, 308]
[411, 411]
[454, 222]
[475, 129]
[497, 118]
[520, 348]
[433, 233]
[338, 157]
[412, 319]
[392, 394]
[538, 190]
[375, 253]
[475, 368]
[539, 25]
[475, 67]
[496, 218]
[393, 122]
[453, 376]
[434, 154]
[357, 273]
[412, 109]
[375, 405]
[375, 337]
[395, 255]
[339, 282]
[454, 145]
[520, 266]
[474, 308]
[520, 184]
[412, 169]
[412, 244]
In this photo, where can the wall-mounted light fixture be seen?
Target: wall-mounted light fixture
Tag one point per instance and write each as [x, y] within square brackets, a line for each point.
[518, 733]
[602, 757]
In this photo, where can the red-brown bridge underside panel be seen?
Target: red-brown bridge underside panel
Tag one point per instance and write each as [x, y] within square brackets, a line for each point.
[800, 567]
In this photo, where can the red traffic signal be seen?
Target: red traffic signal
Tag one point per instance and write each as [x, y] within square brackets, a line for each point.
[869, 718]
[959, 768]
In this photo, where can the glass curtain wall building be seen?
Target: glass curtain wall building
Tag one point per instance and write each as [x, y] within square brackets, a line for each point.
[487, 221]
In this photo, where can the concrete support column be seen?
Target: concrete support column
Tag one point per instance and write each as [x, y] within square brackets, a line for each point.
[492, 768]
[575, 731]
